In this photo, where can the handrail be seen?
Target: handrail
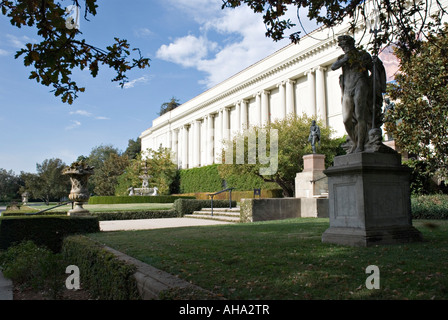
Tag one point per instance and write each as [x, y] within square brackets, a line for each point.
[60, 205]
[211, 195]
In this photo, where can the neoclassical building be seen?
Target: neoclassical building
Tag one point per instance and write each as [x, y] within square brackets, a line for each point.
[294, 80]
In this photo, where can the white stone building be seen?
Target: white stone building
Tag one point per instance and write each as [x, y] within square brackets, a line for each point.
[295, 79]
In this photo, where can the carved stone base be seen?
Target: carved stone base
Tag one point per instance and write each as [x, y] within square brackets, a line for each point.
[369, 200]
[78, 210]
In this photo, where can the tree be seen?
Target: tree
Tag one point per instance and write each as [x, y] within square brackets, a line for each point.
[106, 178]
[61, 50]
[293, 133]
[134, 148]
[402, 22]
[9, 185]
[48, 183]
[161, 167]
[419, 121]
[168, 106]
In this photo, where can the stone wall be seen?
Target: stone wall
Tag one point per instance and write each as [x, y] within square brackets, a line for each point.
[253, 210]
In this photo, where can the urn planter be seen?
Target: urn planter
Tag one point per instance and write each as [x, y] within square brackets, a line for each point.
[79, 173]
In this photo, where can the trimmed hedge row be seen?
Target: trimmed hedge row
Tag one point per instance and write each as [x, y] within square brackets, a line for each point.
[430, 206]
[187, 206]
[47, 231]
[101, 272]
[129, 215]
[134, 199]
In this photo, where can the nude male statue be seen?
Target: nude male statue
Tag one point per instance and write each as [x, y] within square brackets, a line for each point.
[356, 90]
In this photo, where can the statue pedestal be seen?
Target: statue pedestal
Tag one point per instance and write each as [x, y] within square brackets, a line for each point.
[311, 186]
[312, 182]
[369, 201]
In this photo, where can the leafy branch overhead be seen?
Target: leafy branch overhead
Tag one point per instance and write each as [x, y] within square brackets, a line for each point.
[402, 22]
[61, 50]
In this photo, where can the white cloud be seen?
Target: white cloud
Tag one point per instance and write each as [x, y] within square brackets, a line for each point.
[143, 32]
[131, 84]
[18, 42]
[75, 124]
[243, 41]
[3, 52]
[87, 114]
[187, 51]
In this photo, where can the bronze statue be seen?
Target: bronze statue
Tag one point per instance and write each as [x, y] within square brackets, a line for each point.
[314, 136]
[357, 88]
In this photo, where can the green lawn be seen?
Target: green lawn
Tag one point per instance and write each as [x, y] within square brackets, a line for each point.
[108, 207]
[287, 260]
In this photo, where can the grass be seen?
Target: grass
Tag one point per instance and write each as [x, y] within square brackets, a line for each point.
[287, 260]
[32, 207]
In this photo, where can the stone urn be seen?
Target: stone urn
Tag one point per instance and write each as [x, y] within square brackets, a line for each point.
[79, 173]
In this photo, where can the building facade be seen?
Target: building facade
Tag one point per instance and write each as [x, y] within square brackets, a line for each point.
[296, 79]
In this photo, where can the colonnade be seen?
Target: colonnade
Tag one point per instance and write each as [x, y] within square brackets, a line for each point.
[199, 142]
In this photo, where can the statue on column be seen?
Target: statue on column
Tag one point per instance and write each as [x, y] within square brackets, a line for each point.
[356, 84]
[314, 136]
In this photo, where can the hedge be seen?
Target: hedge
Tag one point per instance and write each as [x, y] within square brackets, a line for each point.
[187, 206]
[134, 199]
[129, 215]
[47, 231]
[430, 206]
[101, 272]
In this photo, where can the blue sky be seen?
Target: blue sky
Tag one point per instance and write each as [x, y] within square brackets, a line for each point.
[193, 45]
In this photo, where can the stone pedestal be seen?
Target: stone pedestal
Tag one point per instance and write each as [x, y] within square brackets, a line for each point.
[312, 182]
[369, 201]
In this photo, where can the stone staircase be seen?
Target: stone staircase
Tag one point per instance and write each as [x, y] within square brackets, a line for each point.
[221, 214]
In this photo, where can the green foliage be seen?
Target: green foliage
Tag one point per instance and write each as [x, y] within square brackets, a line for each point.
[430, 206]
[9, 185]
[168, 106]
[203, 179]
[293, 133]
[32, 266]
[49, 182]
[419, 121]
[61, 50]
[421, 177]
[187, 206]
[102, 273]
[106, 178]
[161, 168]
[129, 215]
[134, 199]
[46, 231]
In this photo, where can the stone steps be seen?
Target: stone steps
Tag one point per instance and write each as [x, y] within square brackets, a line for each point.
[221, 214]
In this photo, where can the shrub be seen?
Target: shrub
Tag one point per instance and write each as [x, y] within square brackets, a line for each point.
[128, 215]
[187, 206]
[32, 266]
[46, 231]
[134, 199]
[430, 206]
[101, 272]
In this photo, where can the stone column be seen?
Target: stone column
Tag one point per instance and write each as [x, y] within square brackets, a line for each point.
[282, 103]
[184, 147]
[265, 117]
[258, 107]
[225, 124]
[290, 97]
[244, 120]
[311, 108]
[218, 134]
[210, 140]
[174, 146]
[321, 104]
[237, 125]
[196, 147]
